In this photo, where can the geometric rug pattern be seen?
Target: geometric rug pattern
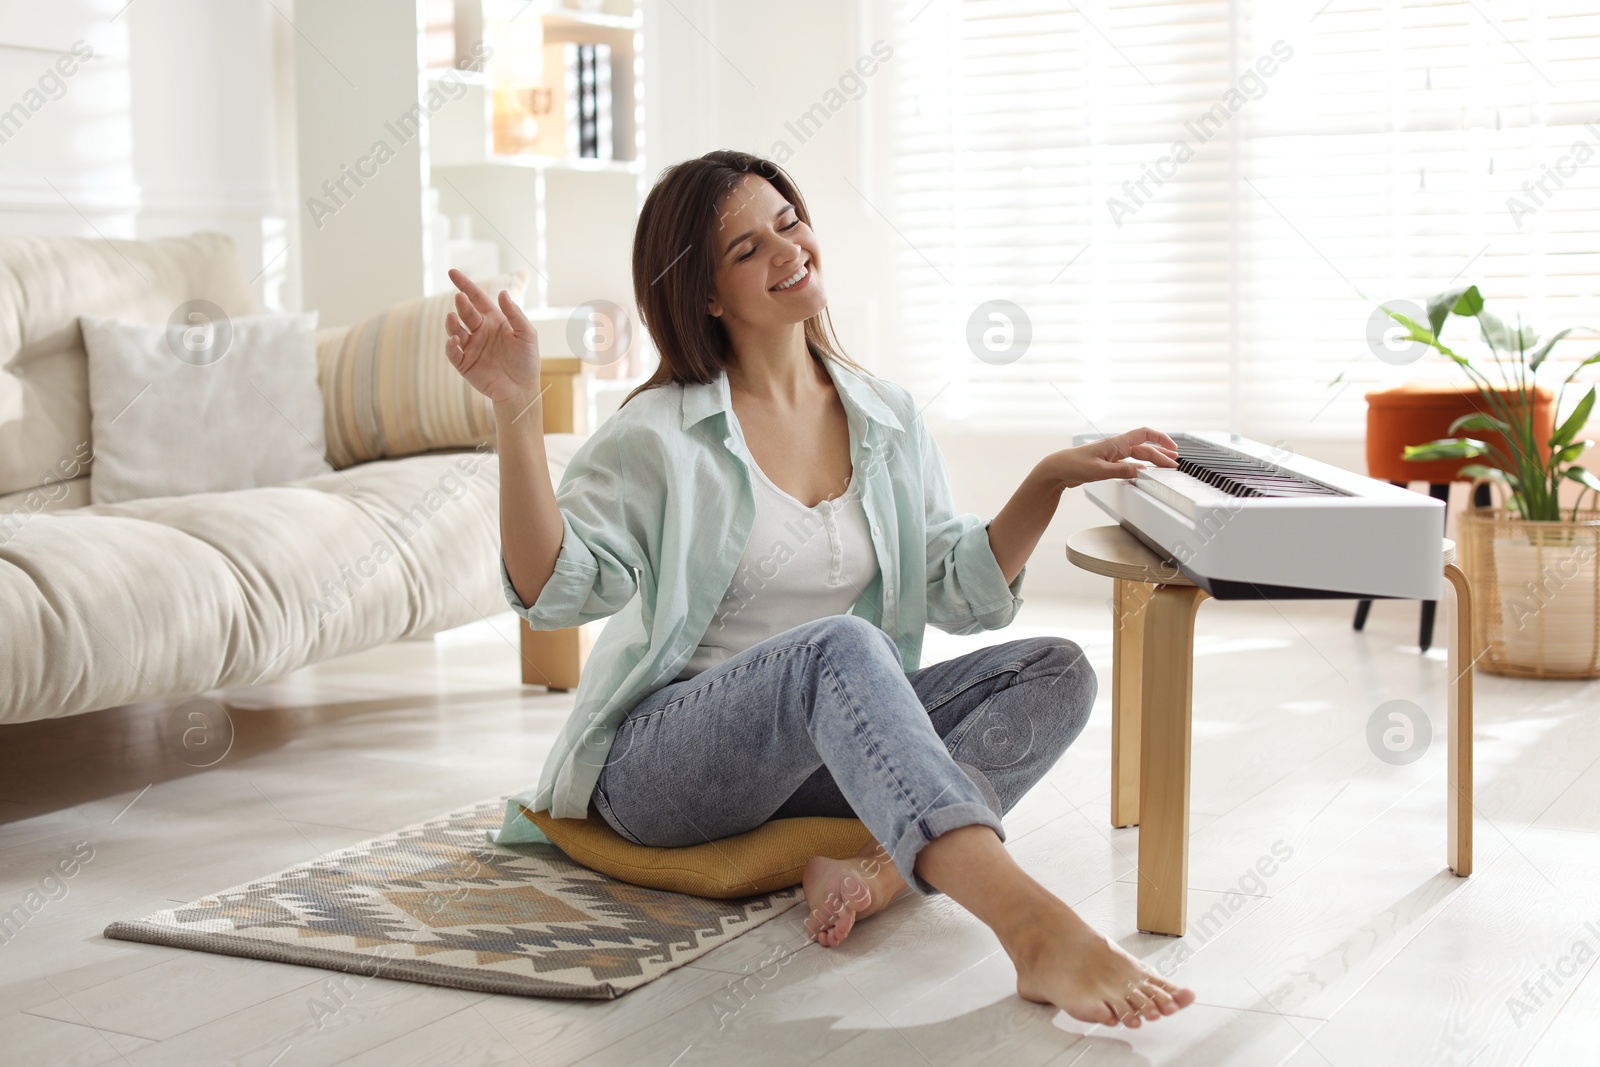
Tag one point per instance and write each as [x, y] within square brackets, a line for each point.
[438, 903]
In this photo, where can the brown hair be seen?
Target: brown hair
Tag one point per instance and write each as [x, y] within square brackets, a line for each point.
[673, 267]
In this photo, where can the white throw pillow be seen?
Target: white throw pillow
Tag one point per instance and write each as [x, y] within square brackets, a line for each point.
[202, 403]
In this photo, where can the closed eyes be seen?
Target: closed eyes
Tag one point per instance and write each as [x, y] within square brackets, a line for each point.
[781, 229]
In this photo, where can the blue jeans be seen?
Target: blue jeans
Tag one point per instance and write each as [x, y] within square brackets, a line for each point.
[822, 719]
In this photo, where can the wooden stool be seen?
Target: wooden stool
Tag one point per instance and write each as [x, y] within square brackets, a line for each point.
[1152, 674]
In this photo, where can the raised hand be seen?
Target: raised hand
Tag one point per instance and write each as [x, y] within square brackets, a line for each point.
[494, 346]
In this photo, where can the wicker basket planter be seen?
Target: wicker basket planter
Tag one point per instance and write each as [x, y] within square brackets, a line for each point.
[1536, 593]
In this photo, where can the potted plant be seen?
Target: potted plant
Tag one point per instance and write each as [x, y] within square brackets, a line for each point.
[1533, 568]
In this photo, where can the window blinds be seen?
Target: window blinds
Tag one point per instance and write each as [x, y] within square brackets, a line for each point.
[1198, 205]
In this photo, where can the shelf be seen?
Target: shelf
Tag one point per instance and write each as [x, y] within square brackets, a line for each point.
[566, 18]
[469, 77]
[529, 161]
[568, 221]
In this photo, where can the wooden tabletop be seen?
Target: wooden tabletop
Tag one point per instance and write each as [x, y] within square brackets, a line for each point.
[1116, 553]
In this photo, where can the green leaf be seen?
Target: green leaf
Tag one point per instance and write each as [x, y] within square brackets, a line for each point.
[1502, 336]
[1439, 307]
[1447, 448]
[1583, 476]
[1586, 363]
[1479, 420]
[1571, 453]
[1569, 429]
[1417, 332]
[1538, 354]
[1478, 470]
[1469, 303]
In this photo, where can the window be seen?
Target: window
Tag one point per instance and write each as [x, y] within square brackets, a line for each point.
[1198, 205]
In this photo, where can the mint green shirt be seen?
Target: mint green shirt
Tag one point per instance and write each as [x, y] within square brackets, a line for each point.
[656, 509]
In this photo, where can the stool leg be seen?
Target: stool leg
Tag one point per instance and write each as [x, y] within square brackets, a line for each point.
[1439, 491]
[1129, 601]
[1459, 710]
[1167, 691]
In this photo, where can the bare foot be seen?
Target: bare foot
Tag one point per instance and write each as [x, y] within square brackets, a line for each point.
[1062, 960]
[839, 893]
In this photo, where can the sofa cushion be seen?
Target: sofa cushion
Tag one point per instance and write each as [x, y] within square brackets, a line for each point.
[772, 856]
[389, 389]
[172, 596]
[242, 411]
[46, 284]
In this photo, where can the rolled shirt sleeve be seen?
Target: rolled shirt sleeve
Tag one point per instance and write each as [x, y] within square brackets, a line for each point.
[967, 591]
[603, 493]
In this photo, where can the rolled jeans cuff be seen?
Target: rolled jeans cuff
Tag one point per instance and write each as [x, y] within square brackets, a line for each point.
[936, 822]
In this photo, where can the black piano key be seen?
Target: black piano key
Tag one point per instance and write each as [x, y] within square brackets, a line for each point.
[1242, 476]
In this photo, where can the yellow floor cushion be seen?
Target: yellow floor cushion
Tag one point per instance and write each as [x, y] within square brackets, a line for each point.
[772, 856]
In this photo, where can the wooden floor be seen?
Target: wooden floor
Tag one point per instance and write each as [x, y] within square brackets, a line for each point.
[1359, 949]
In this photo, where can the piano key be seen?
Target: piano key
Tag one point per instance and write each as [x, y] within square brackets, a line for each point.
[1184, 493]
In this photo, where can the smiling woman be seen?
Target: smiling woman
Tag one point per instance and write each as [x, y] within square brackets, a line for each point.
[731, 652]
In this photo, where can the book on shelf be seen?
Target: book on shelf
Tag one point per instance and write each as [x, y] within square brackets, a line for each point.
[574, 106]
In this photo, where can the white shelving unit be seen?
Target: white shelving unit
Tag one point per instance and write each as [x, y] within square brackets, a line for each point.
[380, 233]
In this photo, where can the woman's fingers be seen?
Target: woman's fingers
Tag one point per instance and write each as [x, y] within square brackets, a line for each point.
[476, 297]
[1145, 434]
[1155, 454]
[470, 315]
[513, 313]
[453, 327]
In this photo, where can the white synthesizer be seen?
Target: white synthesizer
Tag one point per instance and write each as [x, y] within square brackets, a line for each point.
[1244, 520]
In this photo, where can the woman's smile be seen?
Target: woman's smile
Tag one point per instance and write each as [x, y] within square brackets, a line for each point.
[798, 280]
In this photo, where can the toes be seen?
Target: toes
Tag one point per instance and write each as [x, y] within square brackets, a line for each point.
[1139, 1005]
[1182, 996]
[1162, 1000]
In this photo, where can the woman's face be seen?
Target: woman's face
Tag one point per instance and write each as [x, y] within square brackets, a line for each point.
[766, 269]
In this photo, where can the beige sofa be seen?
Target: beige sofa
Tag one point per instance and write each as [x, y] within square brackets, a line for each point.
[103, 605]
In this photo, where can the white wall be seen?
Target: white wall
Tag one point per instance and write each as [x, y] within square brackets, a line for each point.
[731, 74]
[173, 124]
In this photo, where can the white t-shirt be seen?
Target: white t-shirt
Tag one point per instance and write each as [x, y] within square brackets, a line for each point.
[801, 564]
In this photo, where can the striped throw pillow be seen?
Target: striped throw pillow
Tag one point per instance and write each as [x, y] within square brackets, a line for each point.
[389, 390]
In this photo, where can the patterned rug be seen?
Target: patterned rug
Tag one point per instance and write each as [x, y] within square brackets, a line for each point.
[437, 903]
